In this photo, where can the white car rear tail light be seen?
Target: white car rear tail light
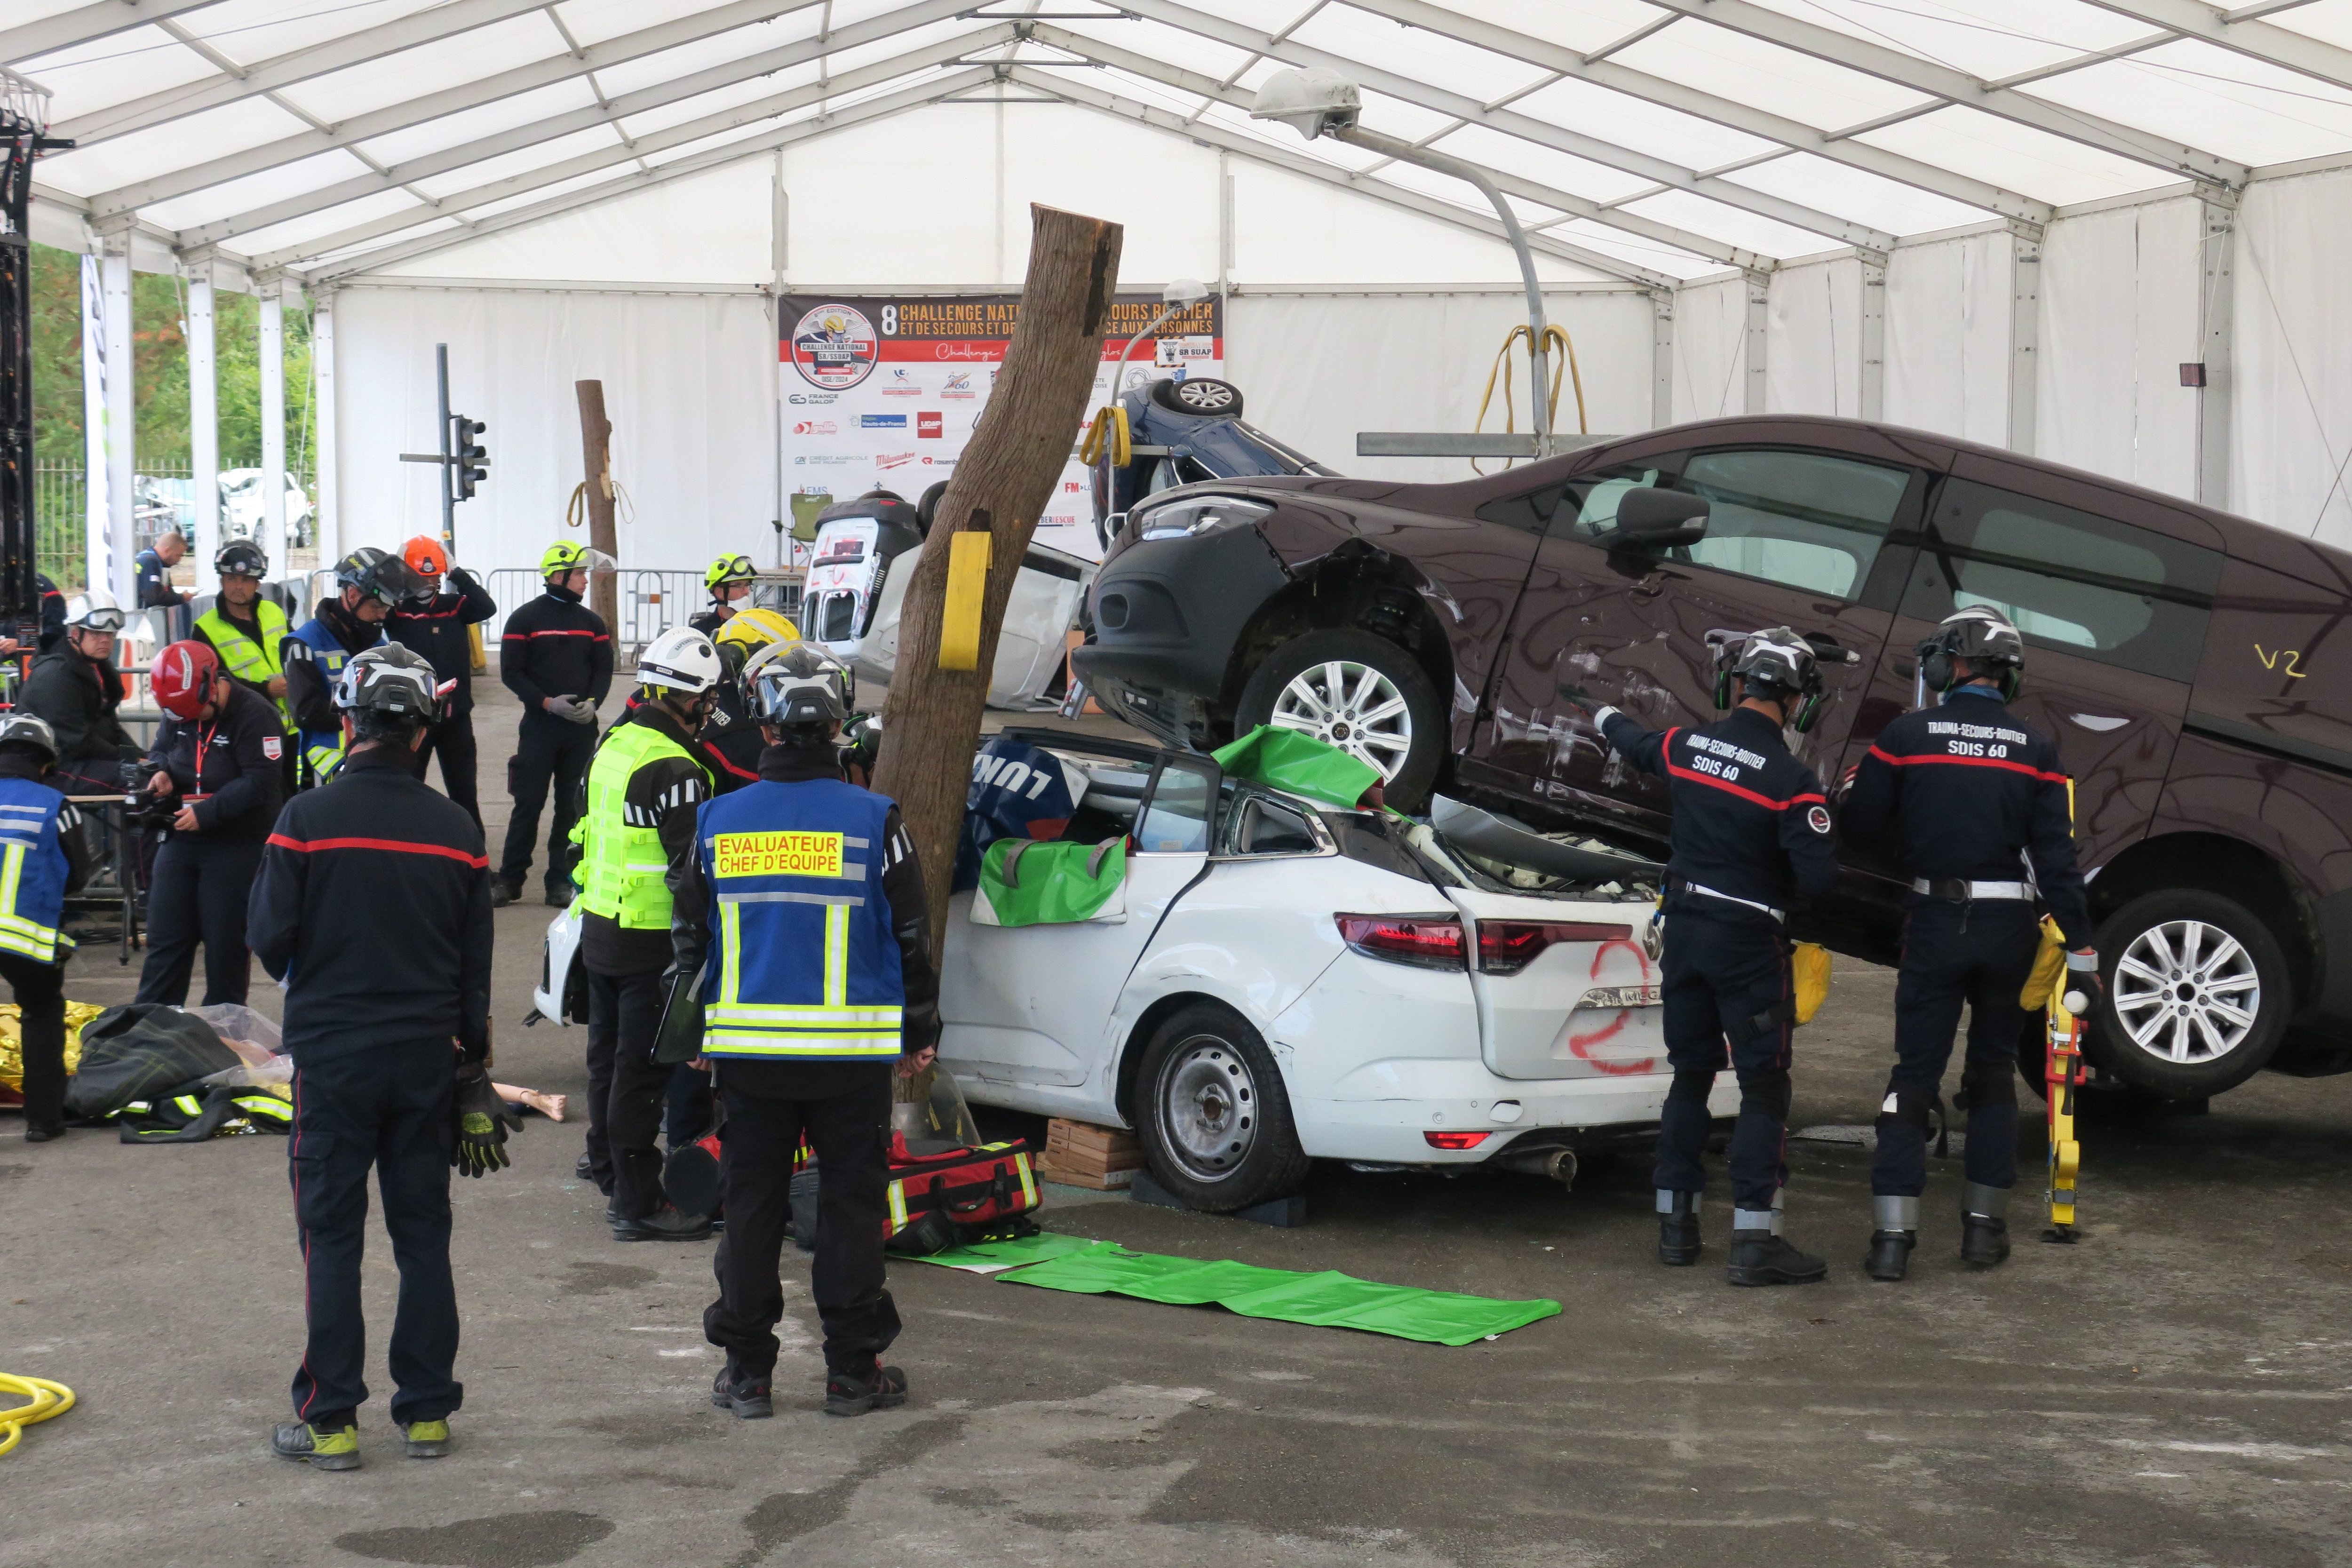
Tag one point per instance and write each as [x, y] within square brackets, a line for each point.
[1506, 947]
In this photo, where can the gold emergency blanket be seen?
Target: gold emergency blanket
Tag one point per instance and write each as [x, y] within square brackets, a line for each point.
[12, 1056]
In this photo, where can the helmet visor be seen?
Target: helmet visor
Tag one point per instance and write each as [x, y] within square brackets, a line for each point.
[104, 619]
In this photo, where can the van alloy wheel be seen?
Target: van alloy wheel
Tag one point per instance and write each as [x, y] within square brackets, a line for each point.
[1352, 706]
[1210, 1109]
[2187, 992]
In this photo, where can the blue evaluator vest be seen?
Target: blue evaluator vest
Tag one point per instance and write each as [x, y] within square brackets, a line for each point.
[32, 870]
[804, 965]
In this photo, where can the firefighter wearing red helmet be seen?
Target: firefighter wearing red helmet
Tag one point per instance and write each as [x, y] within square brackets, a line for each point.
[219, 754]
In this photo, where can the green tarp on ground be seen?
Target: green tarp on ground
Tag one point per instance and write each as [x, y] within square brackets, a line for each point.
[1289, 760]
[1329, 1299]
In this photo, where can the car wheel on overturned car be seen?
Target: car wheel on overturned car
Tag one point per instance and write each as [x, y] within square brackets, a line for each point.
[1212, 1112]
[1199, 394]
[1360, 693]
[2198, 994]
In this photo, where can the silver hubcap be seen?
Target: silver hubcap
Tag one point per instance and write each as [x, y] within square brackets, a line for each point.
[1209, 1107]
[1204, 397]
[2187, 992]
[1353, 707]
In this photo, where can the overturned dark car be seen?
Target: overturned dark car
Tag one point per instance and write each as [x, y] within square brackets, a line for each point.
[1185, 432]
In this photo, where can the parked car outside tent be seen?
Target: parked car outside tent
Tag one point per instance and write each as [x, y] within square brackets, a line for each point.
[1290, 982]
[2195, 668]
[242, 498]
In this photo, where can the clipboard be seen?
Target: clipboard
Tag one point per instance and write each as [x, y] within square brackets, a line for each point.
[678, 1036]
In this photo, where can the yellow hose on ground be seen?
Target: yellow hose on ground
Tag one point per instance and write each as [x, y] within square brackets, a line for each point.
[1556, 341]
[47, 1399]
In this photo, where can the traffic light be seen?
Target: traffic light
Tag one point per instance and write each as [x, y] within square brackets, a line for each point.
[473, 458]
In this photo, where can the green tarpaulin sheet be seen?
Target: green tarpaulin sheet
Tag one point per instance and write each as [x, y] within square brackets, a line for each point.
[1329, 1299]
[992, 1257]
[1289, 760]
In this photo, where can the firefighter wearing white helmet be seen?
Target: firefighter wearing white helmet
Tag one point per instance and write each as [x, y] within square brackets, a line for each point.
[637, 836]
[824, 985]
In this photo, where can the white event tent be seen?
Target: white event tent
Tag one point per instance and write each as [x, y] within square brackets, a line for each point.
[2017, 221]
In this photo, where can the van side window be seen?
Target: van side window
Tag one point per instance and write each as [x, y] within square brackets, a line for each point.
[2071, 580]
[1809, 520]
[1594, 495]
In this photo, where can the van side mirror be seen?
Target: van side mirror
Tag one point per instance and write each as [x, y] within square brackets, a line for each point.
[1651, 519]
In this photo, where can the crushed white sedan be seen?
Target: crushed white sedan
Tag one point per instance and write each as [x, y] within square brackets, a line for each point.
[1286, 981]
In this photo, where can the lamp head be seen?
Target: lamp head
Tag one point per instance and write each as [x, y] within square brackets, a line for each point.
[1185, 292]
[1313, 103]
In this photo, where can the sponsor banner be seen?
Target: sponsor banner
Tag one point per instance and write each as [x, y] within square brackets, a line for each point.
[901, 382]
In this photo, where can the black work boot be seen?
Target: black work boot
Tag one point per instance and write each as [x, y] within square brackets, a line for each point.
[1678, 1242]
[1759, 1256]
[748, 1397]
[665, 1224]
[503, 892]
[1984, 1225]
[1890, 1245]
[877, 1387]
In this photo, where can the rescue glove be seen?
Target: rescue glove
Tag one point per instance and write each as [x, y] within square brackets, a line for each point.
[482, 1118]
[580, 710]
[1578, 698]
[2082, 975]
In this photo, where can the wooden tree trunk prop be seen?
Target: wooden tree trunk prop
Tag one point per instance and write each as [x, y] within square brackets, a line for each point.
[596, 452]
[1002, 485]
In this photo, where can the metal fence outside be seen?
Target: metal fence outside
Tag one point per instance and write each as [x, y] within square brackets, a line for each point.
[167, 497]
[648, 600]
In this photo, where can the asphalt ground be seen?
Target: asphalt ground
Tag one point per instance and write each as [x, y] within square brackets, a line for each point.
[2174, 1390]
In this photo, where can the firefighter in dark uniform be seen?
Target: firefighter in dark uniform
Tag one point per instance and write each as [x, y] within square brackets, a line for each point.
[219, 748]
[730, 738]
[1973, 799]
[636, 841]
[729, 579]
[368, 584]
[434, 621]
[33, 949]
[373, 905]
[556, 655]
[823, 985]
[1752, 839]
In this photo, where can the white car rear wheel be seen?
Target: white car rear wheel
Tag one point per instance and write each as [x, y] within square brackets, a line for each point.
[1214, 1118]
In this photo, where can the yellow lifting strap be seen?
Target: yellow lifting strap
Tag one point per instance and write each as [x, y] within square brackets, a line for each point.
[1109, 425]
[968, 554]
[1558, 344]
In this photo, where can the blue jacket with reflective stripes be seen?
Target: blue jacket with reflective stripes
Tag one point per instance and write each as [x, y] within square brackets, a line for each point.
[323, 749]
[33, 869]
[804, 963]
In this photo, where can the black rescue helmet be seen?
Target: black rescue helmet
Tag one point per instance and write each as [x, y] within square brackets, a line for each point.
[1773, 664]
[240, 558]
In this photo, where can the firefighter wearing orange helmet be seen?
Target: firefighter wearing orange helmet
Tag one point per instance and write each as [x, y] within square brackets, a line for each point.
[435, 623]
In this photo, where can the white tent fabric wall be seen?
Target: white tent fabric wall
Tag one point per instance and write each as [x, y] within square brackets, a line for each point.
[1316, 369]
[2118, 318]
[1948, 337]
[689, 385]
[1812, 346]
[2294, 417]
[1711, 350]
[705, 228]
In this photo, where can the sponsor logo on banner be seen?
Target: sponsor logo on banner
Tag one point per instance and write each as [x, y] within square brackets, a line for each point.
[893, 459]
[812, 399]
[1071, 487]
[1057, 519]
[930, 426]
[968, 351]
[959, 385]
[899, 385]
[829, 459]
[1176, 353]
[881, 422]
[815, 427]
[835, 347]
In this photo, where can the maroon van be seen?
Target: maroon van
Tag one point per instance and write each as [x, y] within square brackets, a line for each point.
[2190, 664]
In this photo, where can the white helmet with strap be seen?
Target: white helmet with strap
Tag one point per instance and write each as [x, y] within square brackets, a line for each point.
[681, 658]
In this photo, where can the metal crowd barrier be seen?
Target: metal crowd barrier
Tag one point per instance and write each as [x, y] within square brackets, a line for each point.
[648, 600]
